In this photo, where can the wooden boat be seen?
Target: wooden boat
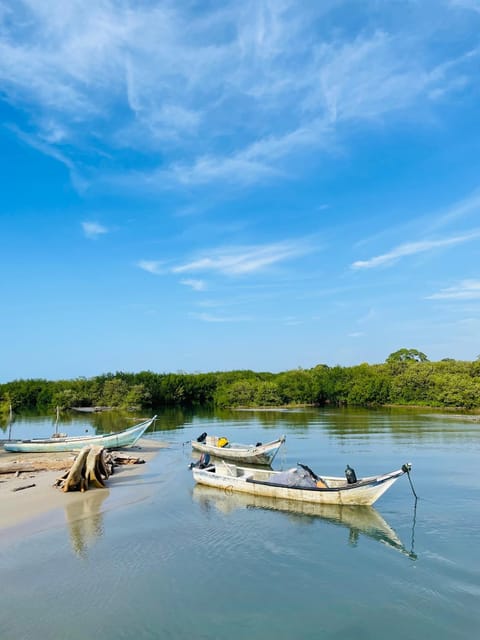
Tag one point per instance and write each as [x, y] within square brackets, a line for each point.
[358, 520]
[90, 409]
[262, 454]
[296, 484]
[116, 440]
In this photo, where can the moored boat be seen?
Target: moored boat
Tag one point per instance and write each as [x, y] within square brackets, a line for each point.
[299, 484]
[90, 409]
[115, 440]
[261, 454]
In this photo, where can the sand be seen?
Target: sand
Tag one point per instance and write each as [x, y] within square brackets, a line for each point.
[43, 506]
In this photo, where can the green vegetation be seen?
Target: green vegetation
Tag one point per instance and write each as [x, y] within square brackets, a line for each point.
[406, 378]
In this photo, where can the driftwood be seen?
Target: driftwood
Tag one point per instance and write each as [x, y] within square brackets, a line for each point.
[25, 486]
[95, 467]
[37, 465]
[89, 468]
[119, 460]
[75, 478]
[92, 467]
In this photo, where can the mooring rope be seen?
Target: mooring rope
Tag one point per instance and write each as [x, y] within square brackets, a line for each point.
[406, 468]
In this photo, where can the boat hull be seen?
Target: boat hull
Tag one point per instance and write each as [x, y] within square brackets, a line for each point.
[231, 478]
[126, 438]
[263, 454]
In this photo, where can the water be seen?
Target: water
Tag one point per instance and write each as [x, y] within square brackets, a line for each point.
[180, 561]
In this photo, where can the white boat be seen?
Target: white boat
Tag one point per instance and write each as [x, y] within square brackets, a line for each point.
[116, 440]
[299, 483]
[262, 454]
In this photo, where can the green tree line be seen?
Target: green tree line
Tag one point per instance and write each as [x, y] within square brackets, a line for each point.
[407, 377]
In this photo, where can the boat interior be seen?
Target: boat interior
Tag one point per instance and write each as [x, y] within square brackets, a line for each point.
[286, 478]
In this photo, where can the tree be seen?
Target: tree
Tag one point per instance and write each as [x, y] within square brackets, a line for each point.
[407, 355]
[267, 395]
[137, 396]
[114, 392]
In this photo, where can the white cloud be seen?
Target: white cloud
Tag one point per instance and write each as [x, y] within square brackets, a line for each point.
[93, 229]
[45, 143]
[464, 290]
[269, 77]
[244, 260]
[152, 266]
[412, 248]
[468, 206]
[196, 285]
[257, 161]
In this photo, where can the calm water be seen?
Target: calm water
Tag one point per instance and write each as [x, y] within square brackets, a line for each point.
[185, 562]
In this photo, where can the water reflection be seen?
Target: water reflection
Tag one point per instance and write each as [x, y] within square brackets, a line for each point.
[360, 520]
[85, 520]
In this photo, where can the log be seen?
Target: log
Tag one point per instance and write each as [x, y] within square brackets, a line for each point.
[118, 460]
[46, 465]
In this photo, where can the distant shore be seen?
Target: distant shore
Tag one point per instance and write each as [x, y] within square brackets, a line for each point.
[28, 510]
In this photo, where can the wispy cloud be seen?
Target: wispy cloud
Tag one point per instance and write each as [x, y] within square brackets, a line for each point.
[46, 143]
[152, 266]
[196, 285]
[462, 209]
[244, 260]
[259, 160]
[412, 248]
[464, 290]
[93, 229]
[266, 76]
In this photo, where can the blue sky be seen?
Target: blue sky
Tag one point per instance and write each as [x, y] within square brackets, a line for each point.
[199, 186]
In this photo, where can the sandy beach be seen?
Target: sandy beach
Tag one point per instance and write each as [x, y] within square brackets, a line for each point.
[24, 511]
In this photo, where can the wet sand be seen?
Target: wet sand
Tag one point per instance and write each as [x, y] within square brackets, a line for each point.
[40, 507]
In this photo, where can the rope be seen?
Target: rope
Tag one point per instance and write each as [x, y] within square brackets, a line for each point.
[406, 468]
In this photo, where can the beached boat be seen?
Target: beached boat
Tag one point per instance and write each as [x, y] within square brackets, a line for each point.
[262, 454]
[299, 483]
[116, 440]
[90, 409]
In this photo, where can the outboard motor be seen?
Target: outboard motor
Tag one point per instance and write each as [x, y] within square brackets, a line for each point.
[202, 437]
[350, 475]
[202, 463]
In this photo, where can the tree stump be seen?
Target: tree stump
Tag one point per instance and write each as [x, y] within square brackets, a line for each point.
[95, 467]
[92, 466]
[76, 477]
[89, 468]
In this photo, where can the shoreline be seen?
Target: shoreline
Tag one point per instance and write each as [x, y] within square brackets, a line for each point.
[42, 506]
